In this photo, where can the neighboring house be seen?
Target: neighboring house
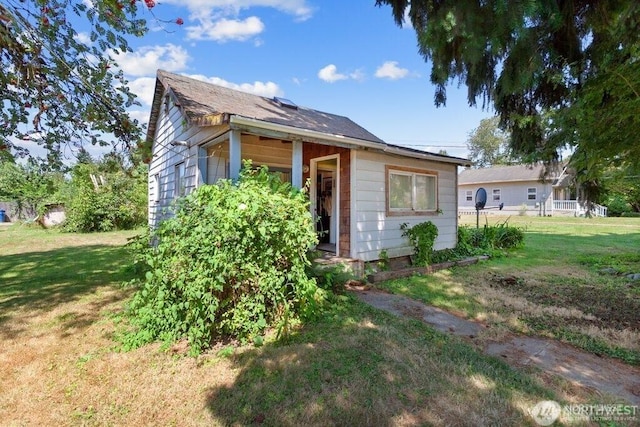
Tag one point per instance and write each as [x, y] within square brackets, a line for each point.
[361, 188]
[524, 190]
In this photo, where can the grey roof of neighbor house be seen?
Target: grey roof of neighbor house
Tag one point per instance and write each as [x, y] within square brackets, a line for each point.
[503, 174]
[206, 104]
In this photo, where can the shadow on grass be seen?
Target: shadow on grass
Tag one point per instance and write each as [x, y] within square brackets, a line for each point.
[366, 367]
[37, 282]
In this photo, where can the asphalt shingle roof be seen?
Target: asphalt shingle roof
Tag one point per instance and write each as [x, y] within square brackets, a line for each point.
[199, 99]
[501, 174]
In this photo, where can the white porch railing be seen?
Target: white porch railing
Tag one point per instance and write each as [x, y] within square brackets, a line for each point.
[578, 207]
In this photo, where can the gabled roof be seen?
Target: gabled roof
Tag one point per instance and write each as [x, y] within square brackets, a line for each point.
[206, 104]
[517, 173]
[202, 102]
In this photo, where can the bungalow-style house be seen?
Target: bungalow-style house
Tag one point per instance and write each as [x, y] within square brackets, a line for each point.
[361, 188]
[523, 190]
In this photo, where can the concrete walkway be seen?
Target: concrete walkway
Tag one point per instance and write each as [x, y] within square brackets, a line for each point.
[603, 374]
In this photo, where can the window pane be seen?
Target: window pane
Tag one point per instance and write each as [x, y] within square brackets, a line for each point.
[496, 194]
[425, 193]
[180, 182]
[469, 196]
[531, 193]
[399, 191]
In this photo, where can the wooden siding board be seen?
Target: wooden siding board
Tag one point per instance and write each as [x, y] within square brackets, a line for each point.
[374, 230]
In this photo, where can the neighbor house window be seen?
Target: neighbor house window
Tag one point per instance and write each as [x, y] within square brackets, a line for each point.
[411, 191]
[180, 184]
[469, 195]
[496, 194]
[532, 193]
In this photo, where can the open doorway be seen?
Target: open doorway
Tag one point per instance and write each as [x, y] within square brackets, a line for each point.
[325, 200]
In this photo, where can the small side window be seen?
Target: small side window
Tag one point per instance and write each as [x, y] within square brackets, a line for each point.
[155, 194]
[180, 184]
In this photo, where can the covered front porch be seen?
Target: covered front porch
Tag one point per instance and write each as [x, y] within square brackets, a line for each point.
[576, 208]
[323, 164]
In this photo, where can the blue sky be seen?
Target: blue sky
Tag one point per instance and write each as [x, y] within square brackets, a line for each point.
[343, 57]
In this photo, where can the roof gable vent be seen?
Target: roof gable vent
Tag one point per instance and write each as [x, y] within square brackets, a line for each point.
[284, 102]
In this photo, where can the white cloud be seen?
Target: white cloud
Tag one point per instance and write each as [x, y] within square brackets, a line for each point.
[298, 8]
[144, 88]
[141, 115]
[146, 60]
[83, 38]
[219, 20]
[357, 75]
[224, 29]
[406, 19]
[267, 89]
[330, 74]
[391, 70]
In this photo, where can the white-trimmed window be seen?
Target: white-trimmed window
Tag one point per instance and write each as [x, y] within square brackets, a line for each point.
[155, 195]
[411, 191]
[180, 183]
[495, 194]
[468, 195]
[532, 193]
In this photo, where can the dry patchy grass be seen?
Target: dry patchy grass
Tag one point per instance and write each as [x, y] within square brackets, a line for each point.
[59, 364]
[554, 287]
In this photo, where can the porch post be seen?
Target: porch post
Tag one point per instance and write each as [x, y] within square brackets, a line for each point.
[235, 157]
[296, 164]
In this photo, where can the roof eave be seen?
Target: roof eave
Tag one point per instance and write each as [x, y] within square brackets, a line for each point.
[238, 121]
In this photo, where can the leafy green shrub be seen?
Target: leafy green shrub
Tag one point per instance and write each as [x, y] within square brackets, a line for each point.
[422, 237]
[617, 206]
[476, 241]
[383, 260]
[118, 203]
[230, 263]
[506, 237]
[631, 214]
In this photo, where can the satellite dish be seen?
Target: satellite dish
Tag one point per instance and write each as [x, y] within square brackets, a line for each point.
[481, 198]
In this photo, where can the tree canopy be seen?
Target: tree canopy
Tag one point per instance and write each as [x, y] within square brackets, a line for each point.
[559, 74]
[489, 145]
[59, 85]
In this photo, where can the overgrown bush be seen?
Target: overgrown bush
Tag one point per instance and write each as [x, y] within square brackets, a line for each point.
[475, 241]
[118, 202]
[230, 263]
[488, 240]
[422, 236]
[617, 206]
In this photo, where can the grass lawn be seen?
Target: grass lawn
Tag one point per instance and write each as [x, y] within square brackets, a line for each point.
[61, 303]
[556, 286]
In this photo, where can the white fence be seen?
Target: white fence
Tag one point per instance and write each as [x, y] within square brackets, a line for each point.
[578, 208]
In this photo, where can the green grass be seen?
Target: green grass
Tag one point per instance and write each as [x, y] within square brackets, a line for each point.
[353, 366]
[554, 286]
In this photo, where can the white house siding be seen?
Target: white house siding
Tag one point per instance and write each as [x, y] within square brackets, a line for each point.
[374, 231]
[171, 126]
[512, 194]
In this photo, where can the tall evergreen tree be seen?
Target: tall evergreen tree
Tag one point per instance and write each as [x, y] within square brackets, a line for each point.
[559, 74]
